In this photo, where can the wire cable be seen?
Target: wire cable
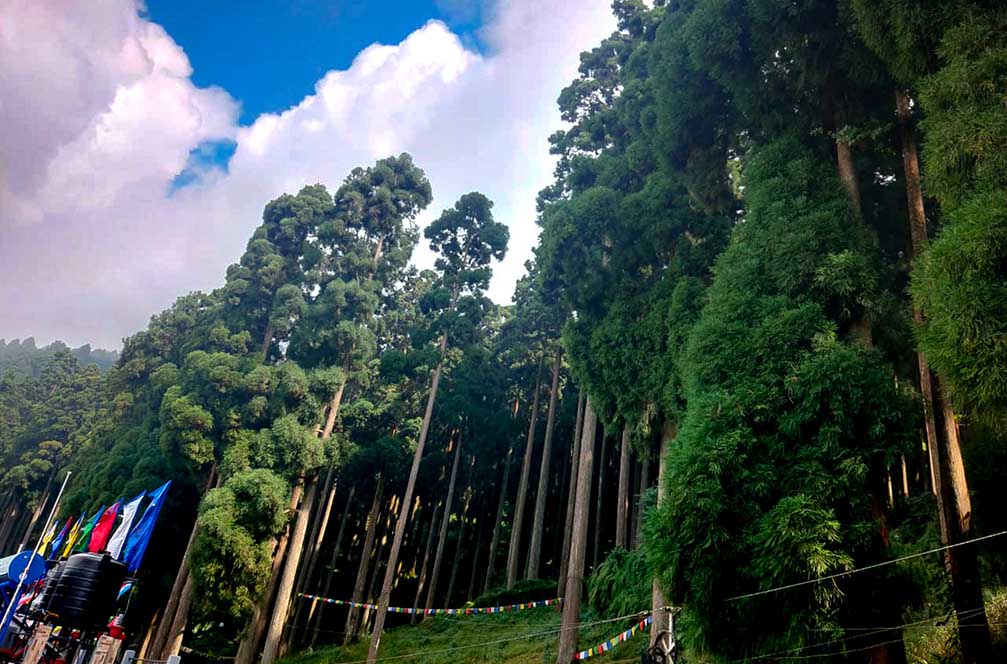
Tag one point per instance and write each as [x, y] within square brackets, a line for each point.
[866, 568]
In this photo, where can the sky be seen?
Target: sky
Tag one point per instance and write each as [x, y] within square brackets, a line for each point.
[141, 141]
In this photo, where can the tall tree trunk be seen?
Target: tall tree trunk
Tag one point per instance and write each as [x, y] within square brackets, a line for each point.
[267, 342]
[943, 439]
[574, 585]
[177, 630]
[564, 563]
[459, 543]
[320, 524]
[600, 500]
[644, 485]
[37, 512]
[318, 608]
[538, 521]
[353, 617]
[286, 588]
[421, 584]
[622, 508]
[514, 550]
[249, 646]
[414, 470]
[378, 566]
[177, 597]
[501, 503]
[660, 623]
[442, 539]
[480, 535]
[557, 526]
[10, 520]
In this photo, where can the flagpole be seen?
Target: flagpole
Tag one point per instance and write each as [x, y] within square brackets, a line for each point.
[9, 611]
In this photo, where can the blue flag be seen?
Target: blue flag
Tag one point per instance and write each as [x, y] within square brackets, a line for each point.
[136, 542]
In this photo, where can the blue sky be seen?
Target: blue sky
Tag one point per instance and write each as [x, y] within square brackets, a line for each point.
[145, 136]
[293, 43]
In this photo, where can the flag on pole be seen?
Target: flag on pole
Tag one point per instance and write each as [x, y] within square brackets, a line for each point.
[44, 544]
[85, 531]
[118, 539]
[136, 543]
[72, 536]
[101, 532]
[57, 542]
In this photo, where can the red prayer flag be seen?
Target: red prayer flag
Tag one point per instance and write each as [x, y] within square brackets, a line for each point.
[103, 529]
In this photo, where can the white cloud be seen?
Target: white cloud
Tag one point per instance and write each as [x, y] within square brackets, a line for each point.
[100, 114]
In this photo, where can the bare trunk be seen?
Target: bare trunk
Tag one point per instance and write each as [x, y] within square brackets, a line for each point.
[644, 485]
[599, 500]
[514, 550]
[414, 470]
[178, 588]
[442, 538]
[317, 609]
[248, 649]
[557, 524]
[378, 566]
[284, 594]
[177, 630]
[10, 520]
[574, 585]
[501, 502]
[267, 342]
[459, 544]
[330, 419]
[320, 524]
[353, 618]
[622, 506]
[657, 603]
[538, 520]
[564, 562]
[943, 439]
[421, 584]
[37, 512]
[480, 513]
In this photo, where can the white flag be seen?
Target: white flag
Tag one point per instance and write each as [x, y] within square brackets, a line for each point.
[118, 539]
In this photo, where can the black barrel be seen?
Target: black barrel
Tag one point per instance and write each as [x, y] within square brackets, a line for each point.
[86, 591]
[51, 579]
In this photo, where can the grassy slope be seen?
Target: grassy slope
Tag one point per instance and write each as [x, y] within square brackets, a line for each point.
[531, 635]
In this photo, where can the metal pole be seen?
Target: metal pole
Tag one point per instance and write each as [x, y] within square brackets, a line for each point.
[9, 611]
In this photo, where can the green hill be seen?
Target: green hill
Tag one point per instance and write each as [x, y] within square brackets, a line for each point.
[527, 637]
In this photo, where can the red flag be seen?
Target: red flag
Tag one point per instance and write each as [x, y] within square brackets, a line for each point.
[103, 529]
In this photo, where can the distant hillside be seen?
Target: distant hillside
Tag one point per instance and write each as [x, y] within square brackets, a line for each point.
[25, 358]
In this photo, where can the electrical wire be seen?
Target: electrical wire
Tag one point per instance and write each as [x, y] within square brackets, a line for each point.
[866, 568]
[875, 631]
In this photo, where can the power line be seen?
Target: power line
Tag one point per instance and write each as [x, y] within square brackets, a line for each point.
[866, 568]
[874, 631]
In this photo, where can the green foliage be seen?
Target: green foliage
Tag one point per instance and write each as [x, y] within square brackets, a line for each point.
[961, 288]
[525, 590]
[621, 585]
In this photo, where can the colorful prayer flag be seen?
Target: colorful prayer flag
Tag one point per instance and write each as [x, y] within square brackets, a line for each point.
[118, 540]
[103, 530]
[137, 541]
[85, 532]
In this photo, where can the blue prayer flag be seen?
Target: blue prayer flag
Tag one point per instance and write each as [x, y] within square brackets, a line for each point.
[137, 541]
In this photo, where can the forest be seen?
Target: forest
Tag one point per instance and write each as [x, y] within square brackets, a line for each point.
[756, 371]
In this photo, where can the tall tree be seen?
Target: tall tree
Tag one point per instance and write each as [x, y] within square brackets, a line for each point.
[467, 239]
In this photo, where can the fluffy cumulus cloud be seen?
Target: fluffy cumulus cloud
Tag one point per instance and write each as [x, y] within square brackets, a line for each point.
[100, 117]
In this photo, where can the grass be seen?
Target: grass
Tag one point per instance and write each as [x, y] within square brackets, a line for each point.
[525, 637]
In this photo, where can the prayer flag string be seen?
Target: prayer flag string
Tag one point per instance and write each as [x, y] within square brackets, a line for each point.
[467, 611]
[604, 647]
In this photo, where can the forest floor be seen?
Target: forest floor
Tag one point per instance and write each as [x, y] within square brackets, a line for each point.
[526, 637]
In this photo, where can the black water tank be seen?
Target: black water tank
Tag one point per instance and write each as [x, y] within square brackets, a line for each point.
[51, 579]
[87, 589]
